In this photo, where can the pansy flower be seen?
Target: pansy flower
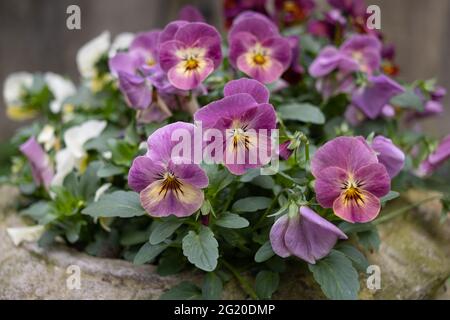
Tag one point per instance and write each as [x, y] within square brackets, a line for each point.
[41, 167]
[189, 52]
[245, 118]
[257, 48]
[305, 235]
[350, 179]
[233, 8]
[168, 184]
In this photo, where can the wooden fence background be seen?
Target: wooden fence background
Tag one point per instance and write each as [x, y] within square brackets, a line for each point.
[34, 37]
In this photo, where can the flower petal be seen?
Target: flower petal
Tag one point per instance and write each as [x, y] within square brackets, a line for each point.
[244, 85]
[328, 185]
[359, 212]
[277, 234]
[268, 73]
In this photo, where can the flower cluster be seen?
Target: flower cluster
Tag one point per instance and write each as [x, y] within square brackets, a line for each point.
[272, 141]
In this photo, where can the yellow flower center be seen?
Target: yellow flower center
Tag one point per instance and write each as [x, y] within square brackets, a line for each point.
[191, 64]
[170, 183]
[259, 59]
[352, 192]
[150, 62]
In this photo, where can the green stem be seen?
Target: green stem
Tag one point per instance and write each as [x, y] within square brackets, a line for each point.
[244, 283]
[269, 209]
[403, 210]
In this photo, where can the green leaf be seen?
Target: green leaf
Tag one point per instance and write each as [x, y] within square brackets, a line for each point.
[183, 291]
[148, 252]
[370, 239]
[219, 178]
[390, 196]
[171, 262]
[124, 204]
[266, 284]
[359, 260]
[264, 253]
[232, 221]
[408, 99]
[201, 249]
[212, 287]
[109, 170]
[89, 181]
[251, 204]
[163, 229]
[336, 276]
[40, 211]
[304, 112]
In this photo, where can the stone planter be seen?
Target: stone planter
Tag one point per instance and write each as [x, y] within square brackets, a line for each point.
[414, 259]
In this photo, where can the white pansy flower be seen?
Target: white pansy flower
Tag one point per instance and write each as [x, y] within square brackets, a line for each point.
[73, 154]
[89, 54]
[14, 86]
[47, 137]
[121, 42]
[61, 88]
[28, 234]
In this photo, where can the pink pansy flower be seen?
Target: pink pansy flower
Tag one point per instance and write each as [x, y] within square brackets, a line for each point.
[245, 119]
[189, 52]
[305, 235]
[39, 161]
[168, 185]
[350, 179]
[257, 48]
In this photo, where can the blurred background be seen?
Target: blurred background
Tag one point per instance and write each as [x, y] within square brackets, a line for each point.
[34, 37]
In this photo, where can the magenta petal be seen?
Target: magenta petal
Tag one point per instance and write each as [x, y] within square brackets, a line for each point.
[278, 47]
[180, 204]
[326, 62]
[188, 80]
[374, 179]
[39, 161]
[389, 155]
[328, 185]
[143, 172]
[277, 234]
[241, 44]
[192, 174]
[347, 153]
[437, 158]
[170, 30]
[124, 62]
[310, 237]
[257, 24]
[267, 74]
[372, 98]
[244, 85]
[230, 107]
[352, 211]
[167, 54]
[136, 90]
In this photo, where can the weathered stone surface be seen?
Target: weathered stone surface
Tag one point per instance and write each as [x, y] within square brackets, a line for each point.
[414, 259]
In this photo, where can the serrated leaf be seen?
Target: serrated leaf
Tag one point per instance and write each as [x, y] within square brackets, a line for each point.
[336, 276]
[304, 112]
[124, 204]
[201, 249]
[266, 284]
[183, 291]
[232, 221]
[359, 260]
[212, 287]
[251, 204]
[264, 253]
[163, 229]
[148, 252]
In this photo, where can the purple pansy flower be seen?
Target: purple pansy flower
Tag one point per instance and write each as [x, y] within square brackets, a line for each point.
[189, 52]
[432, 106]
[257, 48]
[168, 185]
[284, 150]
[245, 118]
[39, 161]
[350, 179]
[331, 27]
[389, 155]
[374, 96]
[306, 235]
[437, 158]
[191, 14]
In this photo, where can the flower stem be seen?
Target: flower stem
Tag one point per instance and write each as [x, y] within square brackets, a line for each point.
[399, 212]
[244, 283]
